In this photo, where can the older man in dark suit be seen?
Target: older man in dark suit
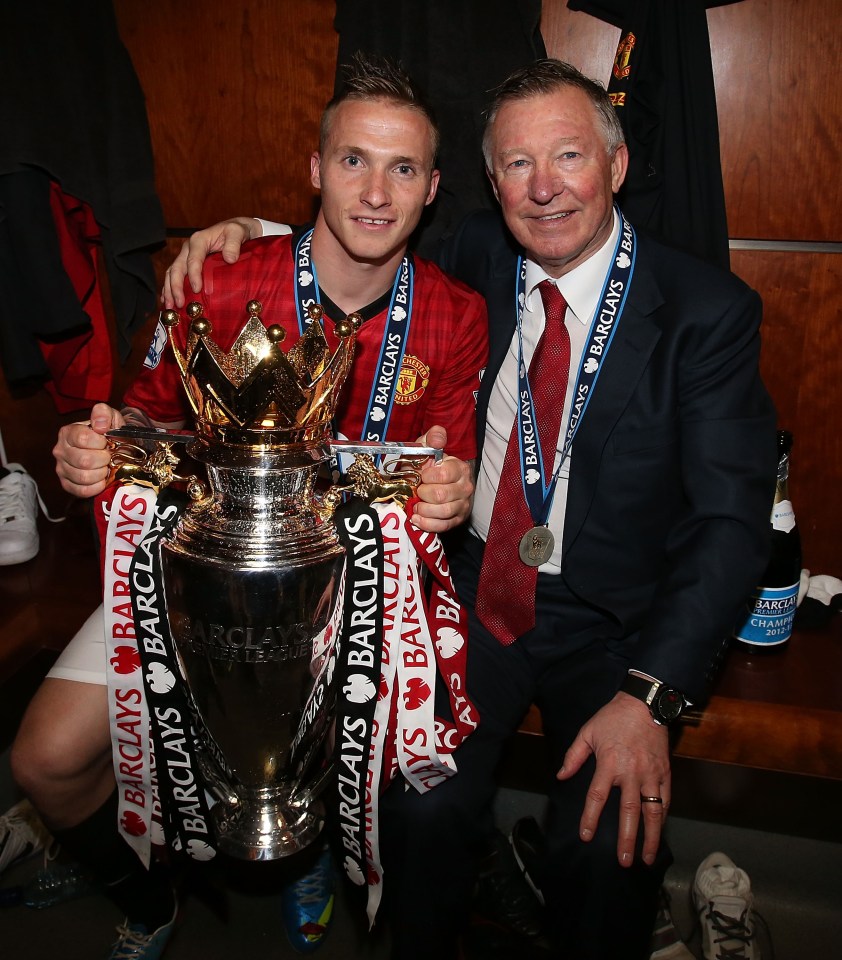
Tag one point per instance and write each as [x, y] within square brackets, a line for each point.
[621, 519]
[647, 521]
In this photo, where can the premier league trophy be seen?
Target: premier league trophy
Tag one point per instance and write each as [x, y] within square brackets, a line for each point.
[253, 571]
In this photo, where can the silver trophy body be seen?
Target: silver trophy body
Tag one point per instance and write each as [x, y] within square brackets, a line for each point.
[251, 576]
[253, 568]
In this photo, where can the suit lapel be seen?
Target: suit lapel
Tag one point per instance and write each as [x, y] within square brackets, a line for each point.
[636, 337]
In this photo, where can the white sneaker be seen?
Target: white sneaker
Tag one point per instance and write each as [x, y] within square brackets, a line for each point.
[723, 900]
[21, 834]
[18, 513]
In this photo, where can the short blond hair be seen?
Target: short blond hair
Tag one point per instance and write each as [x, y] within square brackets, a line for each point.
[373, 78]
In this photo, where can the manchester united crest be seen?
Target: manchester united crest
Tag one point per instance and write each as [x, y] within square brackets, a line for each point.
[412, 380]
[622, 59]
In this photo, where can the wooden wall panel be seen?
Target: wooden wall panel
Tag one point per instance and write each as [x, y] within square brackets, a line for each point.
[234, 93]
[801, 361]
[589, 44]
[776, 69]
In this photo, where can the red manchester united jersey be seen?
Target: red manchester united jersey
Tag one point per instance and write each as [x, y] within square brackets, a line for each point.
[439, 372]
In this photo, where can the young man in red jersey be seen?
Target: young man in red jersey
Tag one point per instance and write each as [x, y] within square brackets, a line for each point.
[419, 353]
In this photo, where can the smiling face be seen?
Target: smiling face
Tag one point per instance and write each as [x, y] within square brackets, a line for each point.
[554, 178]
[375, 172]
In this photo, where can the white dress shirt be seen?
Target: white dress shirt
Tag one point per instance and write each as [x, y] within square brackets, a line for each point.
[272, 229]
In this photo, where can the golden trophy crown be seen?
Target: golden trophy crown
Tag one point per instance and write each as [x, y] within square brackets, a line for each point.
[256, 394]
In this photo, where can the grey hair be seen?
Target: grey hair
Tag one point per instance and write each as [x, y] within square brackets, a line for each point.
[548, 76]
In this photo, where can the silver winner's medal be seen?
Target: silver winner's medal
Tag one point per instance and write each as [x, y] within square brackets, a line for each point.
[536, 546]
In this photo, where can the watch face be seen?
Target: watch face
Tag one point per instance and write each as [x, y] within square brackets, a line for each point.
[668, 704]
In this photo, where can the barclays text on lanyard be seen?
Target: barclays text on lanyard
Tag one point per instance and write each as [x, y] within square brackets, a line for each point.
[395, 335]
[536, 545]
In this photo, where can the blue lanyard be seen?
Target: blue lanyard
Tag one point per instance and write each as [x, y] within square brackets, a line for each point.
[395, 334]
[539, 491]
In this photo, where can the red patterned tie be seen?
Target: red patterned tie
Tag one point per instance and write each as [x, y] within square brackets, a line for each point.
[506, 593]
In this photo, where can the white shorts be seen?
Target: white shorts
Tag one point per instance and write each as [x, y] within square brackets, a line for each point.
[83, 659]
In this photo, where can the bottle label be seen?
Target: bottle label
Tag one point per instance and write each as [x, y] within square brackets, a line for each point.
[770, 618]
[783, 516]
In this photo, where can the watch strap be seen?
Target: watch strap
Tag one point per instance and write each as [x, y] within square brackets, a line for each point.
[665, 703]
[641, 687]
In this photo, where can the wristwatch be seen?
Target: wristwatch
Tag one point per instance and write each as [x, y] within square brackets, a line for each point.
[666, 704]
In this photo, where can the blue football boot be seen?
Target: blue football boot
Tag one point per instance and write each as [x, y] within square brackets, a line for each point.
[307, 905]
[135, 942]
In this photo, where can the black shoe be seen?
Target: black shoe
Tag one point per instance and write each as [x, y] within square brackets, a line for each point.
[503, 897]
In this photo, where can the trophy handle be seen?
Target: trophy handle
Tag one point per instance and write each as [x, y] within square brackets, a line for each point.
[325, 506]
[307, 793]
[376, 487]
[215, 780]
[131, 463]
[373, 485]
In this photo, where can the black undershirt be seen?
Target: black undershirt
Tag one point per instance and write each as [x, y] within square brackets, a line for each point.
[333, 312]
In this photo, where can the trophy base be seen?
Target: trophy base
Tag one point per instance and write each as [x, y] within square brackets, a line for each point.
[266, 829]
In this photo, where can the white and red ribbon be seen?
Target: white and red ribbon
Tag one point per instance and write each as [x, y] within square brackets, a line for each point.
[421, 638]
[403, 633]
[129, 518]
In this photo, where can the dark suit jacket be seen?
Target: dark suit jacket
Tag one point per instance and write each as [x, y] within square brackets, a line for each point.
[673, 467]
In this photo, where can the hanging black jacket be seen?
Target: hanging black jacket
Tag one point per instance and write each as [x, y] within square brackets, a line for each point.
[456, 51]
[71, 109]
[662, 86]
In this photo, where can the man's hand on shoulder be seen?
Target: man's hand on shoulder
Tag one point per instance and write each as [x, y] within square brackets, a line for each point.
[227, 236]
[446, 490]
